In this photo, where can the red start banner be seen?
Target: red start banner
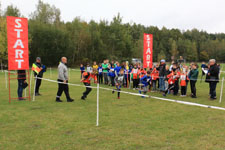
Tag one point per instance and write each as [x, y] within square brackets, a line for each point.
[148, 51]
[17, 33]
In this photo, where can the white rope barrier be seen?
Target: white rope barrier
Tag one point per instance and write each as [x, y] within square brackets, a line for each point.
[147, 96]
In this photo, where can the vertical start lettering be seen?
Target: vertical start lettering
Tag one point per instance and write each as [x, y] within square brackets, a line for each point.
[18, 46]
[17, 35]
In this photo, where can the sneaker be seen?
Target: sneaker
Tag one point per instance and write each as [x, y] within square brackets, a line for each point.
[58, 100]
[164, 94]
[21, 99]
[212, 99]
[118, 97]
[37, 94]
[83, 98]
[113, 92]
[193, 96]
[70, 100]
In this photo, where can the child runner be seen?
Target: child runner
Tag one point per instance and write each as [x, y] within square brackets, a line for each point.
[118, 82]
[145, 80]
[86, 79]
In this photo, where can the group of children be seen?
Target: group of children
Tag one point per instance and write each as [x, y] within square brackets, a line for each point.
[144, 80]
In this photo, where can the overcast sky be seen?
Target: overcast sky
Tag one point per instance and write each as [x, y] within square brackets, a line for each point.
[207, 15]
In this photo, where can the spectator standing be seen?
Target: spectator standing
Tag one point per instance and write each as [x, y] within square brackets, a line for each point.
[100, 76]
[112, 75]
[193, 79]
[21, 77]
[82, 70]
[155, 76]
[89, 68]
[162, 69]
[38, 70]
[105, 71]
[213, 78]
[95, 71]
[135, 77]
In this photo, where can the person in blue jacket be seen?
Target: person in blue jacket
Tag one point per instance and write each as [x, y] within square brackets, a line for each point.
[112, 75]
[100, 76]
[82, 70]
[145, 80]
[117, 69]
[127, 73]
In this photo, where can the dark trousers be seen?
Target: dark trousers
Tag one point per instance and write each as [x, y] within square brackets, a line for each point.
[118, 90]
[63, 88]
[170, 88]
[176, 87]
[20, 88]
[183, 90]
[81, 73]
[154, 85]
[212, 86]
[100, 79]
[38, 84]
[135, 83]
[105, 77]
[186, 85]
[88, 90]
[112, 81]
[193, 88]
[126, 80]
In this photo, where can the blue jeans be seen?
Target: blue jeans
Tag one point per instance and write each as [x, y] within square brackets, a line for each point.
[20, 88]
[161, 83]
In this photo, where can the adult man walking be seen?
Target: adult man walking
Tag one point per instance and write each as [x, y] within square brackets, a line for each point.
[38, 70]
[63, 80]
[213, 78]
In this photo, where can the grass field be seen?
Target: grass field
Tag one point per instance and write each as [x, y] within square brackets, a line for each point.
[131, 123]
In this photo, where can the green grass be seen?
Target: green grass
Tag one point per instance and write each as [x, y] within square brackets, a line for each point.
[130, 123]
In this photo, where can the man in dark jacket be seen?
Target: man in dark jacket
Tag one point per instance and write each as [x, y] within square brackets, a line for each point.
[21, 76]
[213, 78]
[38, 74]
[162, 71]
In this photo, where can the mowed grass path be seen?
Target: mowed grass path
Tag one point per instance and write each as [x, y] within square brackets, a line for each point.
[131, 123]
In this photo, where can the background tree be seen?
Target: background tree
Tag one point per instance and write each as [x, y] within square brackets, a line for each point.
[82, 42]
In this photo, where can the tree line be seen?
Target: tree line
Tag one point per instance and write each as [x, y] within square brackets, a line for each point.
[80, 41]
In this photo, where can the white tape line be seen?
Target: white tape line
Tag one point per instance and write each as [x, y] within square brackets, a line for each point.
[188, 103]
[137, 94]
